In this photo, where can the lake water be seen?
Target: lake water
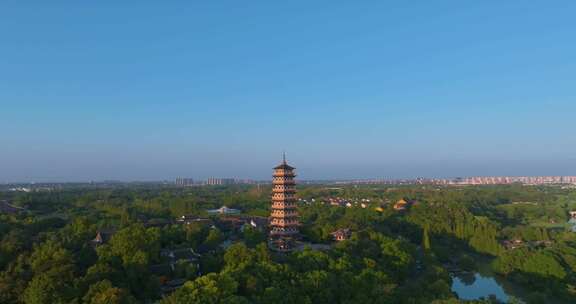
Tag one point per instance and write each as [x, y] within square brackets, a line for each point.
[474, 286]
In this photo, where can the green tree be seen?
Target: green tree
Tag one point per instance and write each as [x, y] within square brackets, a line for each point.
[48, 288]
[425, 239]
[104, 293]
[50, 255]
[210, 289]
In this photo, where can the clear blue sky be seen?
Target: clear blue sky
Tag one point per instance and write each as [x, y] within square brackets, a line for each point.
[148, 90]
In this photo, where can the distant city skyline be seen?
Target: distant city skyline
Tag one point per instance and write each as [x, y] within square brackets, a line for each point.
[111, 91]
[220, 181]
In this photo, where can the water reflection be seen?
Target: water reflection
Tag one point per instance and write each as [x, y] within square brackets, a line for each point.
[473, 286]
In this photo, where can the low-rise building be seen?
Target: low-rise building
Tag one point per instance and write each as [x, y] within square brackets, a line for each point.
[513, 244]
[224, 210]
[183, 254]
[103, 236]
[341, 234]
[6, 207]
[190, 219]
[401, 205]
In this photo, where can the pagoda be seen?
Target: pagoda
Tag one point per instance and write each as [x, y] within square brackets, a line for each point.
[284, 216]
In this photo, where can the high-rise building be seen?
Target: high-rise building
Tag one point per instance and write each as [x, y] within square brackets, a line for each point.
[284, 216]
[220, 181]
[181, 181]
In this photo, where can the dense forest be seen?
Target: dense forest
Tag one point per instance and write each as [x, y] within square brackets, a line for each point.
[158, 244]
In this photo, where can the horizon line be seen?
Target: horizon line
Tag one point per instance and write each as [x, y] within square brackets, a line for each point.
[240, 179]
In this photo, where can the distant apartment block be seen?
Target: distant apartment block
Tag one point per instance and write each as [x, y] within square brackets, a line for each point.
[213, 181]
[479, 180]
[503, 180]
[181, 181]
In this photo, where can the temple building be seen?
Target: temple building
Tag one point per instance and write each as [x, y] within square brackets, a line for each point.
[341, 234]
[284, 216]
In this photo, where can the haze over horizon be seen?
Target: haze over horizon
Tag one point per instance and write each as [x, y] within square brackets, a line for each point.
[106, 91]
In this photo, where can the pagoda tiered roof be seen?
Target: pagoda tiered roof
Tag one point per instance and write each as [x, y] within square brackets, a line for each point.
[284, 221]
